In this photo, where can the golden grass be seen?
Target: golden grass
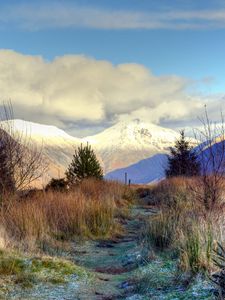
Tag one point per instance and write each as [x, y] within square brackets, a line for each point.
[185, 225]
[86, 211]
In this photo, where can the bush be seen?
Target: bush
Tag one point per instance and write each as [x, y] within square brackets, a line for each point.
[59, 185]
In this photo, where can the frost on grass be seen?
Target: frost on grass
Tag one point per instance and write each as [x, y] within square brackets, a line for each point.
[39, 278]
[161, 280]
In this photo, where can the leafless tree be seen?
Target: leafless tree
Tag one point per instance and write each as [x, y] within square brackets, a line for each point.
[211, 150]
[21, 162]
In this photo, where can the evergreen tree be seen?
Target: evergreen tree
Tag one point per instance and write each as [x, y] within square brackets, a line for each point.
[84, 165]
[182, 160]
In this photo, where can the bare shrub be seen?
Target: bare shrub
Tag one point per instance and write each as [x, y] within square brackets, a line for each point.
[21, 162]
[211, 151]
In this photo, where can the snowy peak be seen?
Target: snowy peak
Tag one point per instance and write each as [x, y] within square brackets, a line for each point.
[38, 132]
[120, 146]
[137, 133]
[128, 142]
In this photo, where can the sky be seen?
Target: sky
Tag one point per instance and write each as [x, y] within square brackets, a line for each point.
[84, 65]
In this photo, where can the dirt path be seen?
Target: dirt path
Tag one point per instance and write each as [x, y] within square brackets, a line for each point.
[113, 262]
[108, 269]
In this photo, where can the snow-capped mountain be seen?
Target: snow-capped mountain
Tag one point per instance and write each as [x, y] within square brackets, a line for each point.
[120, 146]
[129, 142]
[55, 144]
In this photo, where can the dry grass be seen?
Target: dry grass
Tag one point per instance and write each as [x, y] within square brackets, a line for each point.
[184, 224]
[86, 211]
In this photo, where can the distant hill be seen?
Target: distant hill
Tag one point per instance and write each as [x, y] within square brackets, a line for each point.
[145, 171]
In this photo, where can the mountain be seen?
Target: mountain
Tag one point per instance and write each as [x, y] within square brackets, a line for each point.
[127, 143]
[138, 146]
[143, 172]
[55, 144]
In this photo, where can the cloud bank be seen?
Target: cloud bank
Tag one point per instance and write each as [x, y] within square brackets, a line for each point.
[55, 15]
[73, 91]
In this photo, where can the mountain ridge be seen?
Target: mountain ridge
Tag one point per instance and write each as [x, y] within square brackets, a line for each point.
[120, 146]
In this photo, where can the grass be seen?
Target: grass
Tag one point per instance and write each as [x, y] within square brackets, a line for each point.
[27, 271]
[159, 279]
[87, 211]
[161, 230]
[184, 225]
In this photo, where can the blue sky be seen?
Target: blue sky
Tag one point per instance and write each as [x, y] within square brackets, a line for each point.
[181, 38]
[194, 53]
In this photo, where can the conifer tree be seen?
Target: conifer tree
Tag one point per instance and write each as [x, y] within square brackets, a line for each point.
[84, 165]
[183, 160]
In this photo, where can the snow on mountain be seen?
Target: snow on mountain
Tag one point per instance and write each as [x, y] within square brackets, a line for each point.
[55, 144]
[39, 133]
[135, 143]
[127, 143]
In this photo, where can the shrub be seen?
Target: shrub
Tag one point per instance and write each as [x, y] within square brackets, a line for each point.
[59, 185]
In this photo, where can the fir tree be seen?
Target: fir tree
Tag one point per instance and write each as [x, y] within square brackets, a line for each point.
[182, 160]
[84, 165]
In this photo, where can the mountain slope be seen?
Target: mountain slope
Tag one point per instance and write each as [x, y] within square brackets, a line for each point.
[138, 146]
[56, 145]
[145, 171]
[127, 143]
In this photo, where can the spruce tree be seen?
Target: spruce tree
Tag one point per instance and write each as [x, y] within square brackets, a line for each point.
[183, 160]
[84, 165]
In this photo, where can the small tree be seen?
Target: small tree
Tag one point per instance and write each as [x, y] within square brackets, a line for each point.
[183, 160]
[84, 165]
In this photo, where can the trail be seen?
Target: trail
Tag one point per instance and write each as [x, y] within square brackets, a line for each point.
[114, 261]
[111, 268]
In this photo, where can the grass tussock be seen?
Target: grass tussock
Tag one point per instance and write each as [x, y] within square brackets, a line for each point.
[87, 211]
[185, 225]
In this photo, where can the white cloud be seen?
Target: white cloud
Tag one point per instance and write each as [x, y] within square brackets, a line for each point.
[76, 89]
[56, 15]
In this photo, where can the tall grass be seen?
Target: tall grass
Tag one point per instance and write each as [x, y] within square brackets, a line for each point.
[185, 225]
[86, 211]
[161, 230]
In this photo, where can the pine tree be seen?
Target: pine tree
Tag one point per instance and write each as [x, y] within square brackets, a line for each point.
[84, 165]
[182, 160]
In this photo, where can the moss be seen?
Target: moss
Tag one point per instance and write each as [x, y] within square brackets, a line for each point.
[27, 272]
[62, 267]
[11, 265]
